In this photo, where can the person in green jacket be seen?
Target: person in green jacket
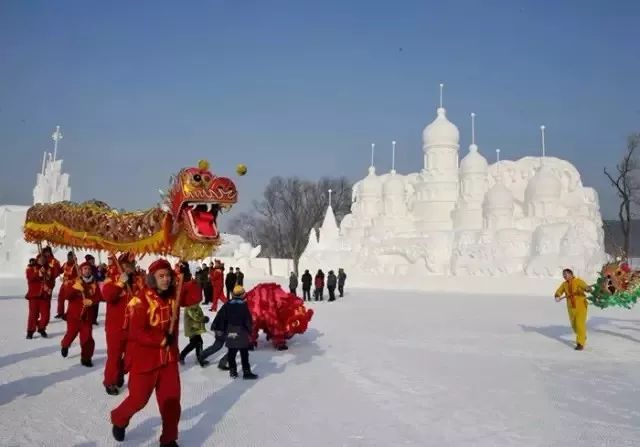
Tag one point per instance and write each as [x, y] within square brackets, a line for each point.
[194, 321]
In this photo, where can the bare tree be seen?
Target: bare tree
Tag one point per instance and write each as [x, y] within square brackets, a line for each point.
[625, 181]
[290, 208]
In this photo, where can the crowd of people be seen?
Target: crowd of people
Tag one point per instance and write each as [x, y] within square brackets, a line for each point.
[140, 325]
[319, 283]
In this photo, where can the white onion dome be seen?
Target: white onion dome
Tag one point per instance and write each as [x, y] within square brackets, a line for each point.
[473, 162]
[441, 131]
[543, 186]
[498, 197]
[371, 184]
[394, 186]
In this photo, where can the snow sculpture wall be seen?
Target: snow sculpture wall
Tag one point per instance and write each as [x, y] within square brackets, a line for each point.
[528, 217]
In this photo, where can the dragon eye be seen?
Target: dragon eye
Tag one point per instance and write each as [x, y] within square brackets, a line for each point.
[197, 177]
[207, 178]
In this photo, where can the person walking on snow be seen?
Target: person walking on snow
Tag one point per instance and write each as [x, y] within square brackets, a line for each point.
[217, 284]
[306, 285]
[69, 275]
[319, 283]
[117, 295]
[293, 283]
[38, 296]
[239, 277]
[152, 351]
[573, 289]
[236, 322]
[194, 321]
[230, 282]
[82, 299]
[332, 281]
[342, 277]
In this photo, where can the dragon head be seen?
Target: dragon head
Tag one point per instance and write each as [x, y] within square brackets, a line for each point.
[195, 199]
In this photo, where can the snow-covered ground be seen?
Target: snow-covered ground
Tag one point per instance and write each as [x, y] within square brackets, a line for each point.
[376, 368]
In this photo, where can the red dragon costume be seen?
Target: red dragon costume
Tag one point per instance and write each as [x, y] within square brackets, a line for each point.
[279, 314]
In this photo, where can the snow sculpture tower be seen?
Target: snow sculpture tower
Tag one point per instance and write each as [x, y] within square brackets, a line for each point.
[393, 191]
[329, 232]
[437, 190]
[369, 193]
[498, 205]
[52, 185]
[473, 187]
[543, 190]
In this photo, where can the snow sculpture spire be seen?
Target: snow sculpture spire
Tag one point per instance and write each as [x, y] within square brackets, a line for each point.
[330, 191]
[373, 149]
[498, 162]
[393, 157]
[57, 136]
[441, 88]
[473, 128]
[543, 148]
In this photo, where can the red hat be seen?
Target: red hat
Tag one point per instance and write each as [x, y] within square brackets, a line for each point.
[85, 264]
[159, 265]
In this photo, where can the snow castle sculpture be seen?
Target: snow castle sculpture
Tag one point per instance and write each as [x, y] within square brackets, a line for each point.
[52, 185]
[530, 217]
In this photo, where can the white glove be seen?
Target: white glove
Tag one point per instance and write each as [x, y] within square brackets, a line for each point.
[124, 277]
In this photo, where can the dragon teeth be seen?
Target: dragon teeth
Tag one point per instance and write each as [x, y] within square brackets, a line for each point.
[209, 206]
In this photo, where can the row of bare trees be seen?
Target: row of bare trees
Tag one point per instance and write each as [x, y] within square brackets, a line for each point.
[290, 208]
[626, 181]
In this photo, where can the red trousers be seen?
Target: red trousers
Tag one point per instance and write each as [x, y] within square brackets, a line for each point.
[166, 382]
[216, 297]
[116, 345]
[62, 296]
[39, 314]
[85, 329]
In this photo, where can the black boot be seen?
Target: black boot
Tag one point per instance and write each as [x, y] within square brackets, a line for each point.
[233, 373]
[120, 381]
[29, 335]
[181, 360]
[248, 375]
[169, 444]
[223, 365]
[111, 390]
[283, 348]
[64, 351]
[58, 316]
[203, 363]
[86, 362]
[579, 347]
[43, 333]
[118, 433]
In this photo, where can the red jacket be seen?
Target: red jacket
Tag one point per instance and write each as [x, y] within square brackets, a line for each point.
[148, 318]
[36, 284]
[75, 297]
[55, 269]
[117, 297]
[217, 283]
[69, 273]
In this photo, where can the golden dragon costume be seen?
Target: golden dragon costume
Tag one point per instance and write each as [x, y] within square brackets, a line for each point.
[185, 226]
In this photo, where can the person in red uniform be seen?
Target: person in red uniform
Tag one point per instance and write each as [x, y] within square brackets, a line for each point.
[82, 298]
[69, 275]
[117, 295]
[152, 351]
[38, 295]
[217, 283]
[54, 270]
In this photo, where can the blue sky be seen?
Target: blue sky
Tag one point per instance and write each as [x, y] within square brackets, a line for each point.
[303, 87]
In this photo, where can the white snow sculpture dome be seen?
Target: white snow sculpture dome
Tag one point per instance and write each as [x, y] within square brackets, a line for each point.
[498, 197]
[543, 186]
[473, 162]
[371, 184]
[440, 131]
[394, 186]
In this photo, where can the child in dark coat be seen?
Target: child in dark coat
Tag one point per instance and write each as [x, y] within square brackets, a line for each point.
[235, 320]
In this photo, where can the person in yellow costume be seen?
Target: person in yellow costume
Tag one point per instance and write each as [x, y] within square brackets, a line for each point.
[573, 289]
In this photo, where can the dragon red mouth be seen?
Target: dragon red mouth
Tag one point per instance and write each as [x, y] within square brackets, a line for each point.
[200, 219]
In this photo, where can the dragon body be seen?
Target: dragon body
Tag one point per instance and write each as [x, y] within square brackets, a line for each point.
[279, 314]
[184, 226]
